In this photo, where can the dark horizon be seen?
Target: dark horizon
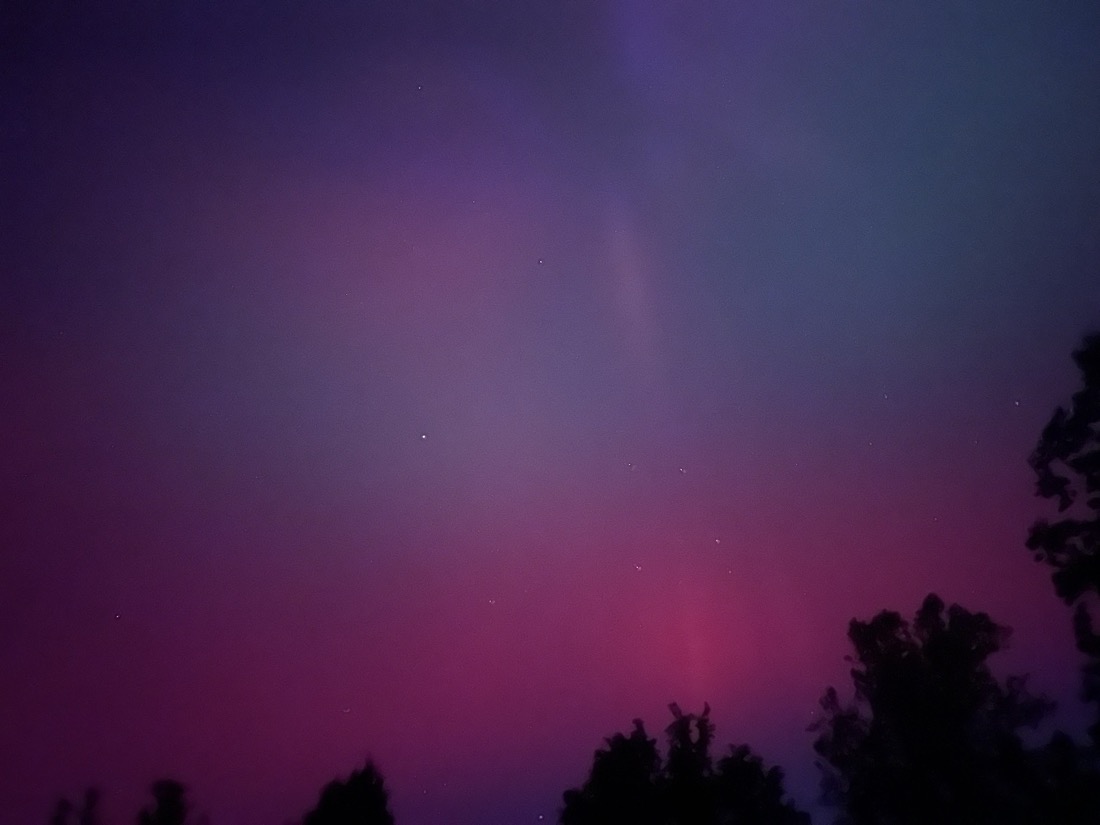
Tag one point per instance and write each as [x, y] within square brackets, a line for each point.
[451, 385]
[942, 737]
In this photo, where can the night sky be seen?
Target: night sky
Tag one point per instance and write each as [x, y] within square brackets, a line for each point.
[453, 384]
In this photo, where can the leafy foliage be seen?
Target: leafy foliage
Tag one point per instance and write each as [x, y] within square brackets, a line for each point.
[361, 799]
[747, 792]
[931, 736]
[1066, 462]
[622, 785]
[630, 785]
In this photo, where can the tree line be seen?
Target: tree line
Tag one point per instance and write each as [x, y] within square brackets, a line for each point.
[928, 734]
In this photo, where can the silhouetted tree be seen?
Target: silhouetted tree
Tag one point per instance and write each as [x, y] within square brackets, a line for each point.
[688, 789]
[932, 736]
[622, 785]
[170, 804]
[750, 794]
[1066, 462]
[629, 785]
[1071, 781]
[361, 799]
